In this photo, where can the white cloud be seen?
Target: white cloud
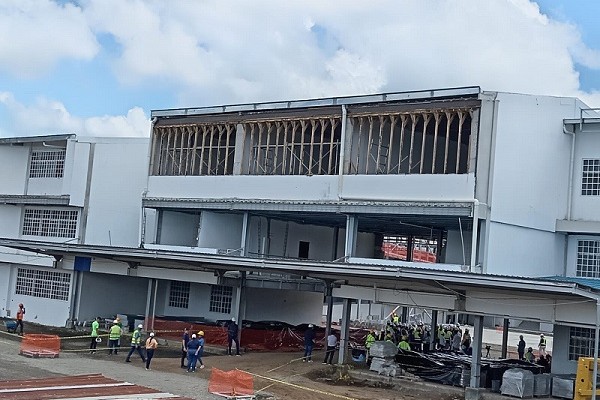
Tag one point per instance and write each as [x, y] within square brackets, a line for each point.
[36, 34]
[46, 117]
[216, 51]
[230, 51]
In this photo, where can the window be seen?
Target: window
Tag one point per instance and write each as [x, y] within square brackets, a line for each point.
[303, 250]
[179, 295]
[43, 283]
[220, 299]
[581, 343]
[588, 258]
[590, 178]
[47, 164]
[52, 223]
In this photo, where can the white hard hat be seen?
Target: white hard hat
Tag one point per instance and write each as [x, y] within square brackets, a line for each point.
[151, 334]
[140, 326]
[310, 325]
[115, 322]
[233, 319]
[193, 336]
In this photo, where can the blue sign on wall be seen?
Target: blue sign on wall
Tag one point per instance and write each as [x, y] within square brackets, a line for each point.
[82, 263]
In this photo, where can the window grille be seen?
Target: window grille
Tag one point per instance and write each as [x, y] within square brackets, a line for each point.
[42, 283]
[179, 294]
[47, 164]
[52, 223]
[588, 258]
[220, 299]
[590, 178]
[581, 342]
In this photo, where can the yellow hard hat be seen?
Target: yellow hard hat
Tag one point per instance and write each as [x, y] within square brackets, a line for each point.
[201, 333]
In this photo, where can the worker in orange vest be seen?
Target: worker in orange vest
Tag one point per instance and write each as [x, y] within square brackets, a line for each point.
[20, 316]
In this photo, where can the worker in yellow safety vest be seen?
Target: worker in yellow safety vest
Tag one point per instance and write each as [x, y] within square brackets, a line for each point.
[114, 336]
[403, 345]
[396, 319]
[136, 339]
[369, 340]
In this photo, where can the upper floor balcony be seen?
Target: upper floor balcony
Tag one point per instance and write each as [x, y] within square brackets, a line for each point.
[410, 146]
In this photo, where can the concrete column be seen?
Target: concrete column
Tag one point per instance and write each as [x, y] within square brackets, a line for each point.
[148, 303]
[351, 234]
[154, 302]
[244, 242]
[238, 154]
[476, 341]
[434, 322]
[345, 332]
[329, 299]
[505, 327]
[241, 306]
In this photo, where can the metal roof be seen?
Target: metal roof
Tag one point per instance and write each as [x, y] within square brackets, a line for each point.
[466, 91]
[399, 277]
[585, 282]
[37, 139]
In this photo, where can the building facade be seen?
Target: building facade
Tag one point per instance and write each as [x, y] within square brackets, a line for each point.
[452, 180]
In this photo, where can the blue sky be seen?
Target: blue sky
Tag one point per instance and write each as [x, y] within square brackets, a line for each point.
[98, 67]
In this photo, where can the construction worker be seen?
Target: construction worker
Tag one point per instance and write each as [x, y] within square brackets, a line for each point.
[403, 345]
[521, 347]
[232, 336]
[193, 347]
[529, 357]
[185, 339]
[136, 339]
[309, 342]
[369, 340]
[542, 346]
[114, 336]
[396, 319]
[200, 351]
[151, 345]
[94, 335]
[20, 316]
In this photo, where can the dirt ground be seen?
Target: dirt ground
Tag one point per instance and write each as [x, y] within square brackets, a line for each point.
[276, 375]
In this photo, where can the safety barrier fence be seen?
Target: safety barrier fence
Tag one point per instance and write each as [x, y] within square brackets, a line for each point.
[230, 383]
[39, 345]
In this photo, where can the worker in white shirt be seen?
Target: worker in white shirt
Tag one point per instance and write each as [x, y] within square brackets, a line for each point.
[331, 344]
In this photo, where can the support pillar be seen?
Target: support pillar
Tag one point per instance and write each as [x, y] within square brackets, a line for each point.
[476, 356]
[244, 241]
[404, 315]
[351, 235]
[345, 332]
[329, 300]
[433, 331]
[241, 307]
[505, 326]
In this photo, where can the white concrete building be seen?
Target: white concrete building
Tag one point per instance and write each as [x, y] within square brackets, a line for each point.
[66, 189]
[244, 208]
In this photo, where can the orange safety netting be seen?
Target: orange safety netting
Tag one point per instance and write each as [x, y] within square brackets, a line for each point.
[281, 339]
[39, 344]
[231, 383]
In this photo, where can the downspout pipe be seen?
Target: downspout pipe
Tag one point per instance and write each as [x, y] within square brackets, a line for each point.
[571, 169]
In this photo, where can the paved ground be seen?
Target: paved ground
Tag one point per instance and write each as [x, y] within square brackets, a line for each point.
[277, 375]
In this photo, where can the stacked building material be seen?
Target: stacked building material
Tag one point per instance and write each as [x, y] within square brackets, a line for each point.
[517, 382]
[383, 354]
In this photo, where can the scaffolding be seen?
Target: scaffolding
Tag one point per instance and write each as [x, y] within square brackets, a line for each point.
[419, 142]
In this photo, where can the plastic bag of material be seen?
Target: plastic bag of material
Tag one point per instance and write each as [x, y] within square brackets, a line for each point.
[517, 382]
